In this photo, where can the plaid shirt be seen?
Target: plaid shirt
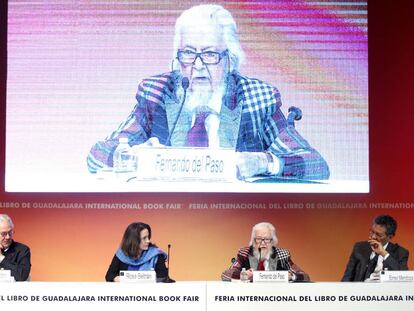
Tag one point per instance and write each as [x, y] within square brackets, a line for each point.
[260, 126]
[280, 255]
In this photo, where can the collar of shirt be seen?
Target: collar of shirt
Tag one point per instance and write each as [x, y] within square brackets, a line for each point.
[266, 264]
[3, 254]
[373, 253]
[212, 122]
[5, 250]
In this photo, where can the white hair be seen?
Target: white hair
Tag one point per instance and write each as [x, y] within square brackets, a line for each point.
[216, 14]
[268, 226]
[4, 217]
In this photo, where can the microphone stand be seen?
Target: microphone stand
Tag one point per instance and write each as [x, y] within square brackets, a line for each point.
[168, 279]
[185, 84]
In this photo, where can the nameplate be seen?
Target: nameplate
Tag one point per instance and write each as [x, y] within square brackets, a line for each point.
[270, 276]
[397, 276]
[186, 164]
[5, 276]
[137, 277]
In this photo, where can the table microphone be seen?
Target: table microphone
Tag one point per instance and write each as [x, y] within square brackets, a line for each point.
[294, 114]
[168, 279]
[185, 83]
[232, 261]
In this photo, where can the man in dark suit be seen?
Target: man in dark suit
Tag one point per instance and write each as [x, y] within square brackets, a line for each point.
[14, 256]
[370, 257]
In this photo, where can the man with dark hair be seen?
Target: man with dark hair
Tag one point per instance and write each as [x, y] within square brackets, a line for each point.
[388, 222]
[370, 257]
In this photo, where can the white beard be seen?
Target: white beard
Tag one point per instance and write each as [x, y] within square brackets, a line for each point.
[200, 100]
[264, 256]
[197, 101]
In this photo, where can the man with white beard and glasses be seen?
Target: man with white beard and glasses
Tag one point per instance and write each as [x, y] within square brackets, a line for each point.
[263, 255]
[221, 108]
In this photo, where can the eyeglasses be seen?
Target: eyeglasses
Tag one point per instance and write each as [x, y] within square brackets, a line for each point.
[188, 57]
[260, 240]
[5, 233]
[379, 236]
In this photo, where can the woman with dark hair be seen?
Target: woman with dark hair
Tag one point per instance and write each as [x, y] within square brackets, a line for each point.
[137, 253]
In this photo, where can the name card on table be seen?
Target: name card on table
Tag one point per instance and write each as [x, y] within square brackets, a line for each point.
[137, 277]
[271, 276]
[186, 164]
[397, 276]
[5, 276]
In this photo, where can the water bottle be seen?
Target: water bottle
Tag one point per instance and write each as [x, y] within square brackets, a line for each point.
[124, 160]
[243, 276]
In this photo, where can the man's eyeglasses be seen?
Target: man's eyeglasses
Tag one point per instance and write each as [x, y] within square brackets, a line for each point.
[188, 57]
[260, 240]
[379, 236]
[5, 233]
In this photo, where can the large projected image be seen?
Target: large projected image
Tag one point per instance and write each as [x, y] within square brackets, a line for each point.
[138, 96]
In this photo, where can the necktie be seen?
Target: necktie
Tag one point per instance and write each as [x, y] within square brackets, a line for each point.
[197, 136]
[260, 266]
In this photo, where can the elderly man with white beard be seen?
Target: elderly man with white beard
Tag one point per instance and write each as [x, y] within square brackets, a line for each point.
[220, 107]
[263, 255]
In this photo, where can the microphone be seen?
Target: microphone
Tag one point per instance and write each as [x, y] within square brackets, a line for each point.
[224, 277]
[294, 114]
[168, 254]
[232, 261]
[185, 83]
[168, 279]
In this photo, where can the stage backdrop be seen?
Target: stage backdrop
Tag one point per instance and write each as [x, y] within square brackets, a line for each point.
[73, 236]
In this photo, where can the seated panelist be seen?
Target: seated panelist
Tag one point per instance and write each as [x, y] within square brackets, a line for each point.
[138, 253]
[204, 101]
[369, 258]
[14, 256]
[263, 254]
